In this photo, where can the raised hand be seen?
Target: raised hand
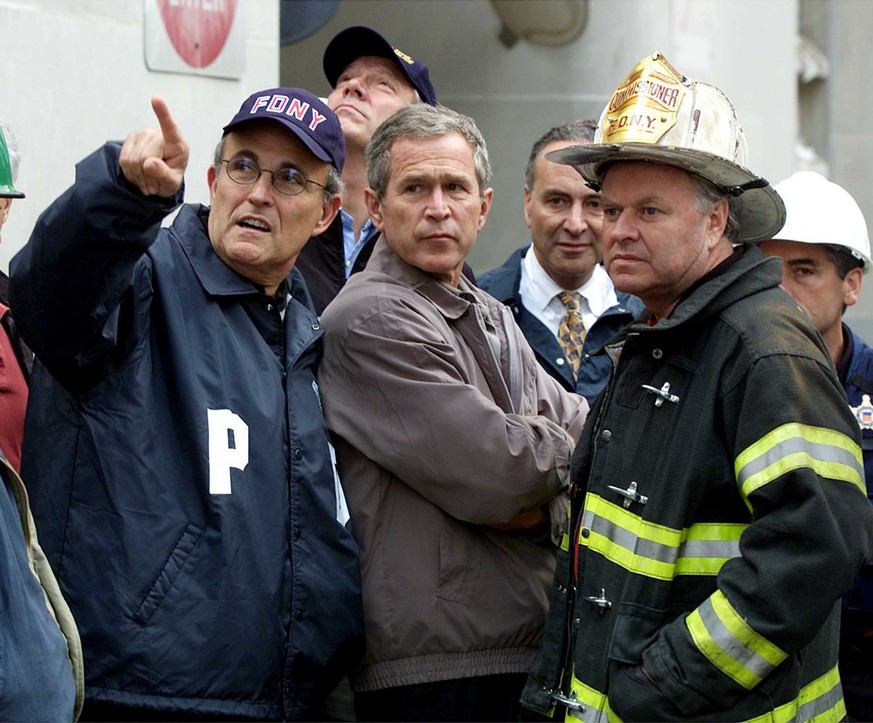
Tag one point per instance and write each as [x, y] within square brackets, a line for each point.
[154, 160]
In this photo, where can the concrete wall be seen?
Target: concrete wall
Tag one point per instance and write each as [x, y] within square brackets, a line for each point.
[835, 111]
[517, 93]
[74, 76]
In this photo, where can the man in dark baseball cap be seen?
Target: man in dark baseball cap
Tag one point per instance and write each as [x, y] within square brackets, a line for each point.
[205, 551]
[371, 80]
[360, 41]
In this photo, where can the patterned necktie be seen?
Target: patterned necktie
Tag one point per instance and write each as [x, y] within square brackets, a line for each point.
[571, 333]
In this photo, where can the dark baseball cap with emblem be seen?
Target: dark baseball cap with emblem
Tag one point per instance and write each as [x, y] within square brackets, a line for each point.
[358, 41]
[303, 114]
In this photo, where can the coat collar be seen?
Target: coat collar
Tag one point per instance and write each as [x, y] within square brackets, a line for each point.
[385, 261]
[216, 277]
[503, 282]
[752, 273]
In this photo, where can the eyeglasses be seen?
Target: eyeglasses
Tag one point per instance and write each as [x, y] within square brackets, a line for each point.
[288, 180]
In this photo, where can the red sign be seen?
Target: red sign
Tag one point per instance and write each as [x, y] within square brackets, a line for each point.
[198, 29]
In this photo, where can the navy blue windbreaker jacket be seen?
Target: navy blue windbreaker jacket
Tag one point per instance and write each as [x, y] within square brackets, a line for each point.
[503, 282]
[181, 478]
[859, 382]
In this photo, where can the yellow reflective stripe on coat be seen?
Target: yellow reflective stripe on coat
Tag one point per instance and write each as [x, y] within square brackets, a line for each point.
[596, 709]
[645, 548]
[820, 701]
[827, 452]
[730, 644]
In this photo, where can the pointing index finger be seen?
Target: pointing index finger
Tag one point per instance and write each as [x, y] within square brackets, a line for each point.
[169, 129]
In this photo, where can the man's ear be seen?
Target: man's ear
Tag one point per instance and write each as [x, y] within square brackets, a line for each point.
[852, 286]
[485, 206]
[328, 214]
[211, 180]
[374, 208]
[527, 197]
[718, 217]
[5, 203]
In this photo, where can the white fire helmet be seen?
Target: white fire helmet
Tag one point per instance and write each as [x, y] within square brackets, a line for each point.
[821, 212]
[658, 115]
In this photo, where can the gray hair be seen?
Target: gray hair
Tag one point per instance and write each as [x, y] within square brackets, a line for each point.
[11, 147]
[422, 122]
[707, 196]
[578, 131]
[333, 186]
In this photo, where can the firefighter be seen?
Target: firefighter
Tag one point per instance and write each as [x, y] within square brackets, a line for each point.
[719, 510]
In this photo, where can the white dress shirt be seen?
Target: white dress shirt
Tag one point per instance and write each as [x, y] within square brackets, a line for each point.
[539, 294]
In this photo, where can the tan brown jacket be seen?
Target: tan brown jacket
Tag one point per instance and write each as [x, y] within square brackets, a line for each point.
[437, 441]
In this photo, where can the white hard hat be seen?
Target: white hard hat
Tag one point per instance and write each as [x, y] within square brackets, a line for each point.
[821, 212]
[660, 116]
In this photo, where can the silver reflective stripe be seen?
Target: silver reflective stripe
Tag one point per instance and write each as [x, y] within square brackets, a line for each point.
[730, 644]
[651, 550]
[798, 445]
[611, 531]
[588, 714]
[710, 548]
[823, 703]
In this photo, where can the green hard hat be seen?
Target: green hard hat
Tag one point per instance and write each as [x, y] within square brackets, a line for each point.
[7, 190]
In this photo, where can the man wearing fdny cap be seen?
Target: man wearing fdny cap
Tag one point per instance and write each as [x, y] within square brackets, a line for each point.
[371, 80]
[179, 464]
[718, 511]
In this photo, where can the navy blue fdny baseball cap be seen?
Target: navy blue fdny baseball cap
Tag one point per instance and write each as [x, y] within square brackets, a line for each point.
[352, 43]
[303, 114]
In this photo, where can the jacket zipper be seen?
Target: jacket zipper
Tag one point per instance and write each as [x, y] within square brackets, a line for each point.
[484, 330]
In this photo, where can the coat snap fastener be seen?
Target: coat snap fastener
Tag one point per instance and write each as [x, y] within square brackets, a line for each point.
[663, 394]
[630, 494]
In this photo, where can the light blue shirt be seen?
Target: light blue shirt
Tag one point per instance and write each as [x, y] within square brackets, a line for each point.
[352, 246]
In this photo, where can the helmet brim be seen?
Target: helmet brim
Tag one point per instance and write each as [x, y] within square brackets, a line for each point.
[759, 210]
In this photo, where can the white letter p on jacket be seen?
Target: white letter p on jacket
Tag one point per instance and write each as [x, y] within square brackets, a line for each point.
[228, 448]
